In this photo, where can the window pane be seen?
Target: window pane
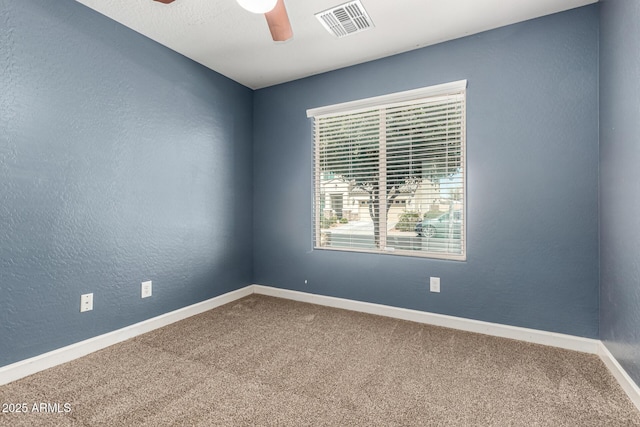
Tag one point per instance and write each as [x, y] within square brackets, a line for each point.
[349, 158]
[391, 179]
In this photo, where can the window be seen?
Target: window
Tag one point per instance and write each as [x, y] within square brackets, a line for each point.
[389, 174]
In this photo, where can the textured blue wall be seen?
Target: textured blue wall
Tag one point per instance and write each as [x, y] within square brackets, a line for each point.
[532, 118]
[120, 161]
[620, 181]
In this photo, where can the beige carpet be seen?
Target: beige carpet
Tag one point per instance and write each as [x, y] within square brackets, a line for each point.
[268, 361]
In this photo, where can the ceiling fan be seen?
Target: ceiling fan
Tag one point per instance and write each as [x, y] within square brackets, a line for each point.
[274, 11]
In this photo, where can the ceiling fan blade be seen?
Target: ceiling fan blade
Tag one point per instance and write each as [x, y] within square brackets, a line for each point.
[278, 22]
[165, 1]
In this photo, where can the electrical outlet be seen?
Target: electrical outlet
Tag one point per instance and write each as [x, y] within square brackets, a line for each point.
[146, 289]
[305, 281]
[434, 284]
[86, 302]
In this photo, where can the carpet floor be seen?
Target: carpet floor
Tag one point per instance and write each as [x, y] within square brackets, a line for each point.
[268, 361]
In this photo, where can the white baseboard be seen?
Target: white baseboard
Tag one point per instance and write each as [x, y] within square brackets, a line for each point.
[56, 357]
[53, 358]
[553, 339]
[625, 381]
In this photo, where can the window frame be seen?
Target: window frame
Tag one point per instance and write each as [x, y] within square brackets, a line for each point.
[383, 103]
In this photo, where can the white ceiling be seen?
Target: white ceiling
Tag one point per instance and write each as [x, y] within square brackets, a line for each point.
[224, 37]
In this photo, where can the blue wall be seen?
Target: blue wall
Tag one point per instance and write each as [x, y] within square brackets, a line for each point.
[532, 132]
[620, 181]
[120, 161]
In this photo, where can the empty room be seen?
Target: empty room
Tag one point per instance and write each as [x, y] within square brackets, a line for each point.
[319, 212]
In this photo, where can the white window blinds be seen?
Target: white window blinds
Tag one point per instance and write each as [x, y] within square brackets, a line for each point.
[389, 174]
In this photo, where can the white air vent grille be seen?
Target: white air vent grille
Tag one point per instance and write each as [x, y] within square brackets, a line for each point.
[346, 19]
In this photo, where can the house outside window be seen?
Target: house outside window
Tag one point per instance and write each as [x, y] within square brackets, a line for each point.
[390, 174]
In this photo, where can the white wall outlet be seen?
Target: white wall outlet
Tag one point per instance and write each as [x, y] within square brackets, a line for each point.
[434, 284]
[305, 281]
[146, 289]
[86, 302]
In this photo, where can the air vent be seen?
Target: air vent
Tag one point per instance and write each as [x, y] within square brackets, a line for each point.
[346, 19]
